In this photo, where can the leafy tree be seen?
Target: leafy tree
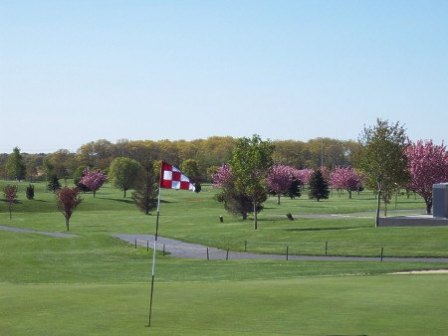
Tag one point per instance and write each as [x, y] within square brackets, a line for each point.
[10, 192]
[428, 165]
[250, 164]
[234, 202]
[67, 201]
[383, 160]
[279, 180]
[124, 173]
[62, 163]
[93, 179]
[318, 186]
[53, 183]
[345, 178]
[15, 166]
[77, 176]
[30, 192]
[190, 168]
[146, 188]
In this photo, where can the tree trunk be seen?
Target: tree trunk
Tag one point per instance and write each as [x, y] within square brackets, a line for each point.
[378, 205]
[255, 216]
[349, 194]
[94, 193]
[278, 199]
[244, 214]
[10, 212]
[124, 193]
[67, 223]
[428, 207]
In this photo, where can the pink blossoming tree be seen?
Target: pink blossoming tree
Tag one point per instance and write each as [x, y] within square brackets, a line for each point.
[304, 175]
[279, 180]
[345, 178]
[428, 164]
[93, 179]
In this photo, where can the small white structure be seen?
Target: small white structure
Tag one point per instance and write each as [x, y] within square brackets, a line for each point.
[440, 200]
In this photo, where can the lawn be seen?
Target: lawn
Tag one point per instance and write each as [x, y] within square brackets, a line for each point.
[94, 284]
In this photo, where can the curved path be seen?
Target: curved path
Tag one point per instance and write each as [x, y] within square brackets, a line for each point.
[179, 249]
[50, 234]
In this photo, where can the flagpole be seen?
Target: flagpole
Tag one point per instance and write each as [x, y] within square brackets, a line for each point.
[153, 272]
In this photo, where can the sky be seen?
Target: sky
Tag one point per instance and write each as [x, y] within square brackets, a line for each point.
[72, 72]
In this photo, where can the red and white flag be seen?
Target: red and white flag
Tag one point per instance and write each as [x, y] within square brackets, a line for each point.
[173, 178]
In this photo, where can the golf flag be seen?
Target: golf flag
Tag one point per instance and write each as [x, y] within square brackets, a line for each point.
[173, 178]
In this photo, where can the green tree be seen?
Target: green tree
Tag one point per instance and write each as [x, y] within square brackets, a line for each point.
[15, 167]
[250, 164]
[190, 168]
[318, 186]
[124, 173]
[53, 183]
[146, 188]
[383, 160]
[30, 192]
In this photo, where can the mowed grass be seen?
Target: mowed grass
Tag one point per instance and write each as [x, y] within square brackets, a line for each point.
[337, 305]
[97, 285]
[338, 226]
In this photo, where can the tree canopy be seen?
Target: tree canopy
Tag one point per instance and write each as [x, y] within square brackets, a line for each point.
[383, 159]
[250, 165]
[124, 173]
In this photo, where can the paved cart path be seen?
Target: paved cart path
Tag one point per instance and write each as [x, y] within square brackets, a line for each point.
[180, 249]
[50, 234]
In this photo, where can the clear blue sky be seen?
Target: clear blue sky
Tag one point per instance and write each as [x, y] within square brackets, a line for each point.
[77, 71]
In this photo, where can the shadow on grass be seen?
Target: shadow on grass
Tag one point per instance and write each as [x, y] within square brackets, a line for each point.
[326, 229]
[125, 200]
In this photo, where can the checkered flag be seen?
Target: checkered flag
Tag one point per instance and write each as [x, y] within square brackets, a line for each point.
[173, 178]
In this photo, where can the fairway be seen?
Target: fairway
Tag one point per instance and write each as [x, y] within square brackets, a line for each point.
[94, 284]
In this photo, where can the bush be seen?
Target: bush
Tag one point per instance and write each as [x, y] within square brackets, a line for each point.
[53, 184]
[30, 192]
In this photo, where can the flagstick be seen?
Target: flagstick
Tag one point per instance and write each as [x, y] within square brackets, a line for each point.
[153, 273]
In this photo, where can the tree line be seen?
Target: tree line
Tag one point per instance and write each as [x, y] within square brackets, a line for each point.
[207, 153]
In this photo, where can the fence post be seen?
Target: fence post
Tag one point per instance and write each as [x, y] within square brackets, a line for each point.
[245, 246]
[326, 248]
[163, 252]
[147, 245]
[208, 257]
[227, 254]
[382, 254]
[287, 252]
[135, 243]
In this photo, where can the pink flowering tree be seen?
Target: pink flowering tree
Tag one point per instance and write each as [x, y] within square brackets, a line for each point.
[345, 178]
[222, 176]
[326, 173]
[10, 192]
[304, 175]
[93, 179]
[279, 180]
[428, 164]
